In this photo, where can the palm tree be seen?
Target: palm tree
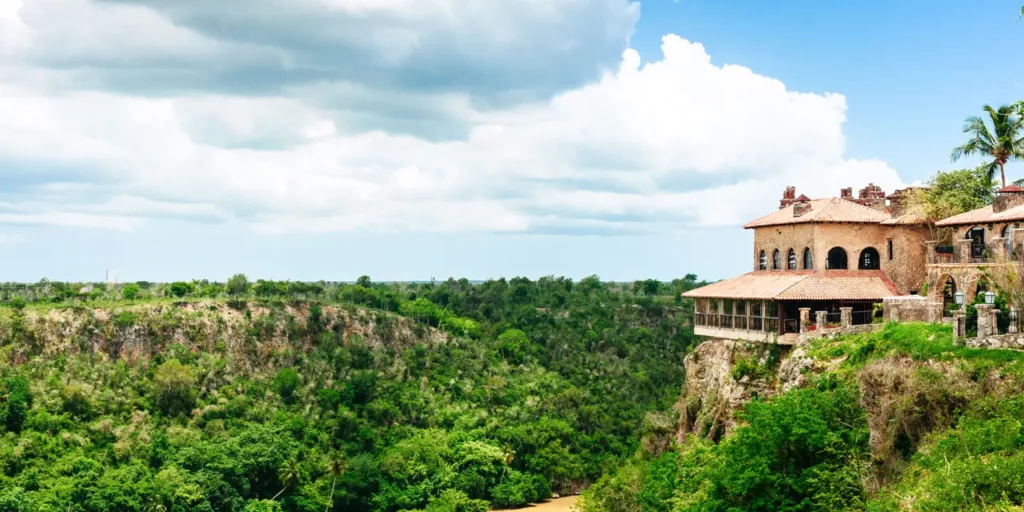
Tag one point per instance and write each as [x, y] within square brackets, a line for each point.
[290, 475]
[1003, 142]
[336, 466]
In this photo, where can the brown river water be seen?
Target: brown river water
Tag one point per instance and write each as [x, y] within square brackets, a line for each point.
[556, 505]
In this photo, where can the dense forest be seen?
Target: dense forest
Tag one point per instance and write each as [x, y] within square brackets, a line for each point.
[450, 396]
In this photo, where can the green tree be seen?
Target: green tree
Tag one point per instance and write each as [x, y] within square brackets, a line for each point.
[130, 291]
[290, 476]
[951, 193]
[238, 285]
[364, 281]
[180, 289]
[286, 381]
[175, 387]
[15, 402]
[336, 466]
[1002, 143]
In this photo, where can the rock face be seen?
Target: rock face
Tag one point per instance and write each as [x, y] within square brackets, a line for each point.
[253, 332]
[722, 375]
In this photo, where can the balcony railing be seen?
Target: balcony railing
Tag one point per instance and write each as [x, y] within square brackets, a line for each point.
[740, 322]
[946, 254]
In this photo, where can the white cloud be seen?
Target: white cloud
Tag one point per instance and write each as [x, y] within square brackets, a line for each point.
[674, 144]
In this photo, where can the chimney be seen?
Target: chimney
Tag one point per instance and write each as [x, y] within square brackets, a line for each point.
[872, 196]
[1008, 197]
[788, 197]
[846, 193]
[801, 206]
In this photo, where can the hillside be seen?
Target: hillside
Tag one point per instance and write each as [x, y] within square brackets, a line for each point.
[468, 397]
[900, 419]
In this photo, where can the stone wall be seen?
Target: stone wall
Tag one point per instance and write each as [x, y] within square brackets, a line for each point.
[911, 308]
[906, 268]
[997, 341]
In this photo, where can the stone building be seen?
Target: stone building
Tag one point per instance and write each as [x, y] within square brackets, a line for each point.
[970, 242]
[836, 257]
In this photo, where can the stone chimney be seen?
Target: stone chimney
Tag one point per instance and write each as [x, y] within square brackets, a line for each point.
[801, 206]
[872, 196]
[788, 197]
[1008, 197]
[846, 193]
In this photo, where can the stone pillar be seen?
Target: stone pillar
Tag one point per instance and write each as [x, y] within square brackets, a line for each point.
[892, 311]
[963, 251]
[930, 251]
[958, 324]
[845, 317]
[805, 319]
[820, 319]
[994, 324]
[984, 319]
[1013, 325]
[997, 246]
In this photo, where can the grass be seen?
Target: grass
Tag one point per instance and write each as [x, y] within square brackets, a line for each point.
[918, 341]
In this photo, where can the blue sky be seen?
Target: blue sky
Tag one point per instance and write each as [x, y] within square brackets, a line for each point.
[408, 140]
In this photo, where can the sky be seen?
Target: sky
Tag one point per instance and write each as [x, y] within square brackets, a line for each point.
[418, 139]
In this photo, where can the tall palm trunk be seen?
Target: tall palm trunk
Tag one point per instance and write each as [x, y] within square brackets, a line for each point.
[1002, 174]
[330, 501]
[279, 493]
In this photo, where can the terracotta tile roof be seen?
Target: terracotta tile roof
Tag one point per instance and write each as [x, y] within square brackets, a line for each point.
[823, 210]
[802, 285]
[1010, 188]
[984, 216]
[909, 219]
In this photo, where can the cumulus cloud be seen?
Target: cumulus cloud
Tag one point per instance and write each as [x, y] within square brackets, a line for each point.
[373, 143]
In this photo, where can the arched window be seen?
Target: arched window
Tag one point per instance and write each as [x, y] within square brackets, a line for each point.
[791, 260]
[869, 259]
[776, 265]
[808, 259]
[762, 261]
[1008, 239]
[836, 259]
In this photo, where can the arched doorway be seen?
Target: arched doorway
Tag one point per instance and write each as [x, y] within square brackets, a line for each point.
[948, 287]
[869, 259]
[977, 237]
[836, 259]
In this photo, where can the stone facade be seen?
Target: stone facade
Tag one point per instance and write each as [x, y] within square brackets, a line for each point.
[906, 268]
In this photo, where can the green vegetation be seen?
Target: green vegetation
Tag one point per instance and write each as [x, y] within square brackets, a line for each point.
[327, 396]
[899, 419]
[1002, 143]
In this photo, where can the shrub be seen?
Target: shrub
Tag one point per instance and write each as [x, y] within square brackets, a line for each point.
[513, 345]
[456, 501]
[518, 489]
[17, 302]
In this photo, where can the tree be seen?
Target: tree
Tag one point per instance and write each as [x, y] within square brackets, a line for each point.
[290, 476]
[130, 291]
[364, 281]
[175, 386]
[951, 193]
[286, 381]
[238, 285]
[336, 466]
[1004, 142]
[180, 289]
[17, 302]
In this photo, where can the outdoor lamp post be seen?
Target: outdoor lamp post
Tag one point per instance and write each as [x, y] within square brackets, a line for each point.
[958, 298]
[990, 298]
